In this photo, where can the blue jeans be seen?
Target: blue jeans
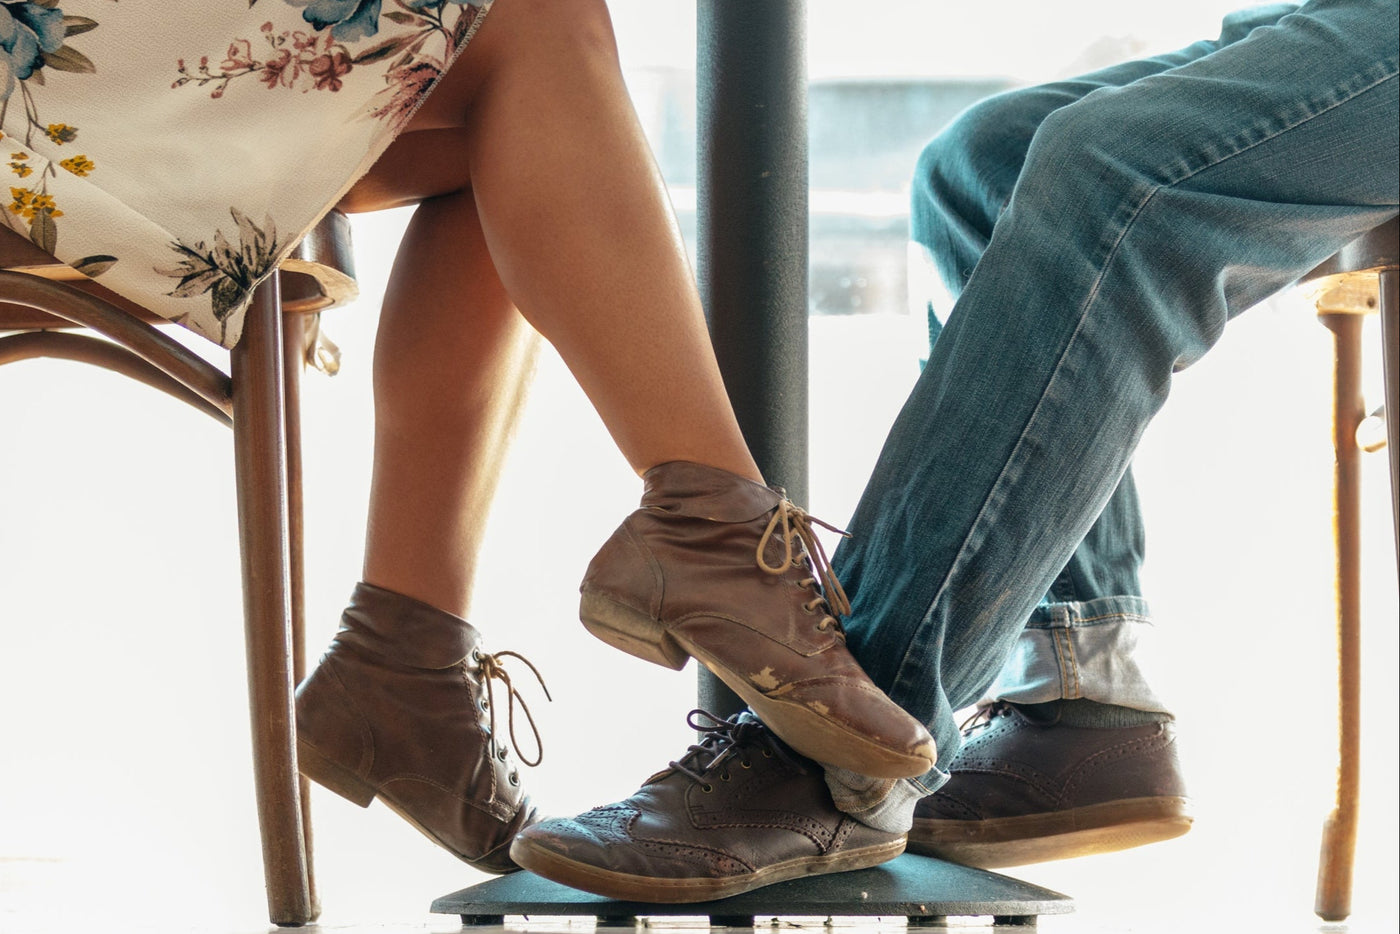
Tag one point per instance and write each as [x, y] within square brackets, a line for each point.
[1080, 641]
[1152, 206]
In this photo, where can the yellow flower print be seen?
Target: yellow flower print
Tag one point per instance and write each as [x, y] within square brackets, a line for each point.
[28, 203]
[61, 133]
[18, 165]
[79, 165]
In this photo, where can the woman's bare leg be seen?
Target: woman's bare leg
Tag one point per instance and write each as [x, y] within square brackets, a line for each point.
[451, 363]
[537, 120]
[538, 192]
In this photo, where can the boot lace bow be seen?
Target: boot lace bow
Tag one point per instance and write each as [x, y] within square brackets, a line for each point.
[490, 668]
[725, 744]
[793, 522]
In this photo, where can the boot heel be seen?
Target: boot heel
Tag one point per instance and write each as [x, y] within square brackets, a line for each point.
[631, 631]
[337, 778]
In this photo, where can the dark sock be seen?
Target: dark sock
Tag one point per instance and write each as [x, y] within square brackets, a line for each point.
[1086, 713]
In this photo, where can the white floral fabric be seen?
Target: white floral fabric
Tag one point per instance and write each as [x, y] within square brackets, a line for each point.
[180, 150]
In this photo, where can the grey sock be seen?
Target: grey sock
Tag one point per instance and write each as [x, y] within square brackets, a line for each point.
[883, 803]
[1082, 712]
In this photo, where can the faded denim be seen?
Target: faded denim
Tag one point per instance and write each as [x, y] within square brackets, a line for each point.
[1144, 218]
[1081, 641]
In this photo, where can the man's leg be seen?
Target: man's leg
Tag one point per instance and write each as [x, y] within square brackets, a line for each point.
[1079, 641]
[1143, 218]
[1077, 752]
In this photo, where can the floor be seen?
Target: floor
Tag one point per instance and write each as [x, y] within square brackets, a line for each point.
[125, 801]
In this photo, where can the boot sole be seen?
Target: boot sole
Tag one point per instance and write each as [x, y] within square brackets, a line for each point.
[798, 725]
[628, 887]
[356, 790]
[1038, 838]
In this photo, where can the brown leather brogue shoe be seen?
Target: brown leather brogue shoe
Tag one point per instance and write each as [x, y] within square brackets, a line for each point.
[738, 811]
[1025, 790]
[727, 571]
[400, 708]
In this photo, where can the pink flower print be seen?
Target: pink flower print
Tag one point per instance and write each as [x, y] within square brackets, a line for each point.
[406, 86]
[281, 69]
[240, 56]
[328, 68]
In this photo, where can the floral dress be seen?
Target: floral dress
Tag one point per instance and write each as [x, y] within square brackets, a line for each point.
[179, 150]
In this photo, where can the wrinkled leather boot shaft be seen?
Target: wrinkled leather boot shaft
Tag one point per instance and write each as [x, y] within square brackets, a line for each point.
[398, 709]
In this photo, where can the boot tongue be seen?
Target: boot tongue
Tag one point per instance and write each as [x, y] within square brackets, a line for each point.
[685, 489]
[406, 630]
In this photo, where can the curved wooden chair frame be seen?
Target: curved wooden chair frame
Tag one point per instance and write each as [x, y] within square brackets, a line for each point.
[260, 399]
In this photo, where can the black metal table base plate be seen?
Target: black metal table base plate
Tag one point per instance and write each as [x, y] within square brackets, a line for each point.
[916, 887]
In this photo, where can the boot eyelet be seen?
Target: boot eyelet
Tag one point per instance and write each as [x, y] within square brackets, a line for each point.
[513, 778]
[745, 764]
[767, 753]
[501, 752]
[724, 776]
[707, 788]
[482, 705]
[476, 656]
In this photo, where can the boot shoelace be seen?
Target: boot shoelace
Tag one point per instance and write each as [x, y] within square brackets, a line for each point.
[983, 716]
[725, 741]
[793, 521]
[490, 668]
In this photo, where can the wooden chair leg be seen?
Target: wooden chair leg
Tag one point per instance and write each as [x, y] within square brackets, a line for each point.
[293, 359]
[1334, 874]
[260, 462]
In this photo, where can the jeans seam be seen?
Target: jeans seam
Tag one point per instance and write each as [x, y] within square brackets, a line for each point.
[1076, 623]
[1309, 116]
[1073, 663]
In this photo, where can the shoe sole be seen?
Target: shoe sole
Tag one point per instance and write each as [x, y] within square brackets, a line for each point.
[356, 790]
[1039, 838]
[628, 887]
[798, 725]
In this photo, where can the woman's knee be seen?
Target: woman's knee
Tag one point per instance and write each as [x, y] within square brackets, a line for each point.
[551, 27]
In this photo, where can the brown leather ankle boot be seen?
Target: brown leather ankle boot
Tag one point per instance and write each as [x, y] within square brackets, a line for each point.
[399, 708]
[725, 570]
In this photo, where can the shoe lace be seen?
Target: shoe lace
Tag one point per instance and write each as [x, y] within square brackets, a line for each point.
[723, 741]
[983, 716]
[489, 665]
[792, 521]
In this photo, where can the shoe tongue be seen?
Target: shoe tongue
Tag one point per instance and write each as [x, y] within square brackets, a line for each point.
[404, 629]
[685, 489]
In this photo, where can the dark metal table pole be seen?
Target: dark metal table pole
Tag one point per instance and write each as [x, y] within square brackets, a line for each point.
[751, 78]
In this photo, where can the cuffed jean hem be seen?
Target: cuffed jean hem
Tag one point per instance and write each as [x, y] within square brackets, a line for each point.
[1091, 649]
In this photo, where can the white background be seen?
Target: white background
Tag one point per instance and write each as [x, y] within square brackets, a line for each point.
[125, 787]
